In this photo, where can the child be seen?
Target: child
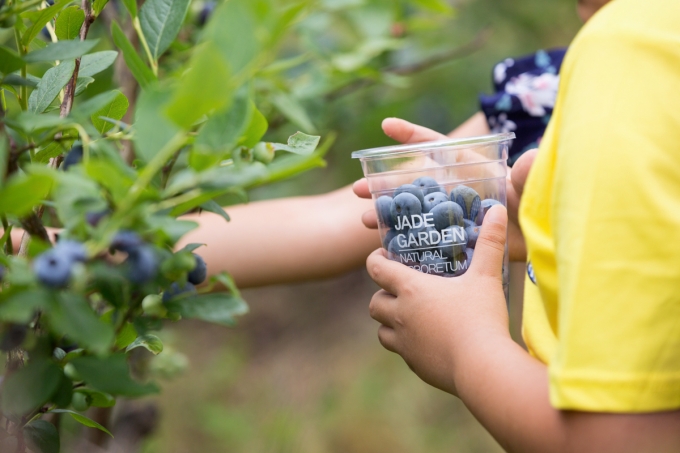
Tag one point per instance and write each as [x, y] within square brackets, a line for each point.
[601, 218]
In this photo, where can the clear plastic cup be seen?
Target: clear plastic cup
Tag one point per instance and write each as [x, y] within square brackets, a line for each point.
[433, 226]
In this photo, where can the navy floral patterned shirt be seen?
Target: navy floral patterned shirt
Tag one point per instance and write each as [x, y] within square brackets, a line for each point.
[524, 98]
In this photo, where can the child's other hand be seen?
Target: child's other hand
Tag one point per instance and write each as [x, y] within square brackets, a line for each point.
[428, 319]
[403, 132]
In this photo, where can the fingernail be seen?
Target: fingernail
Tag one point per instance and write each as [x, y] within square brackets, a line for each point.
[495, 215]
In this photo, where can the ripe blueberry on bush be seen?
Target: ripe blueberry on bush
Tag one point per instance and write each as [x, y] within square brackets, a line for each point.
[75, 156]
[468, 199]
[12, 337]
[405, 205]
[176, 290]
[484, 208]
[53, 268]
[126, 241]
[199, 273]
[93, 218]
[428, 185]
[433, 199]
[206, 12]
[413, 190]
[74, 250]
[446, 214]
[382, 208]
[143, 265]
[472, 234]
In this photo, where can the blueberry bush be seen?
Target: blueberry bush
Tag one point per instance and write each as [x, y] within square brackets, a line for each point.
[117, 117]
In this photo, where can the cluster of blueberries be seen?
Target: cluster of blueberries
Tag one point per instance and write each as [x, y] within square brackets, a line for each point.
[54, 268]
[430, 230]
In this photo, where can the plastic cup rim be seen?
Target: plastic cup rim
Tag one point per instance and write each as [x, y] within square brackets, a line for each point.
[389, 151]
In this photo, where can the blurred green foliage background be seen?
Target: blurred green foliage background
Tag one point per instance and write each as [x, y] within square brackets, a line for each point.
[303, 372]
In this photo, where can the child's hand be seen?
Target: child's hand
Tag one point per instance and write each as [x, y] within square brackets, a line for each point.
[429, 319]
[403, 132]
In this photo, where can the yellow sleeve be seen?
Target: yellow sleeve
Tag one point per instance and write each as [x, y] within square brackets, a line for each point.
[616, 214]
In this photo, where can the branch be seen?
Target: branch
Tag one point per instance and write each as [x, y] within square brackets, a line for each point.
[459, 52]
[70, 91]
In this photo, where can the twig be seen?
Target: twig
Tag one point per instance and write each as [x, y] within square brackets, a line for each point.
[167, 169]
[70, 91]
[458, 52]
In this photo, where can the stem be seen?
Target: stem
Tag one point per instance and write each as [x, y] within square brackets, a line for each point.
[23, 90]
[167, 169]
[145, 45]
[137, 189]
[9, 247]
[178, 200]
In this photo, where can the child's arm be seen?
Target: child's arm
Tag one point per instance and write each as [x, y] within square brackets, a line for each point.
[454, 334]
[285, 240]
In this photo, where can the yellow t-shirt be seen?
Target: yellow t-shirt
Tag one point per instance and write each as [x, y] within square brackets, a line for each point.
[601, 217]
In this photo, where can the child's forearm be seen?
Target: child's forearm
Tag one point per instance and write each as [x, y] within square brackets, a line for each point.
[507, 390]
[286, 240]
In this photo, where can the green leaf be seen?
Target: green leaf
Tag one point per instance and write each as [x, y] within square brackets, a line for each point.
[236, 30]
[80, 418]
[152, 128]
[17, 80]
[111, 375]
[99, 399]
[116, 110]
[98, 6]
[219, 308]
[299, 143]
[215, 208]
[42, 437]
[54, 149]
[140, 71]
[205, 88]
[88, 107]
[41, 18]
[61, 50]
[30, 387]
[161, 20]
[82, 83]
[20, 308]
[173, 229]
[96, 62]
[126, 336]
[291, 109]
[30, 122]
[68, 23]
[150, 342]
[4, 154]
[221, 133]
[64, 394]
[22, 192]
[9, 61]
[191, 247]
[256, 128]
[131, 6]
[50, 85]
[438, 6]
[71, 315]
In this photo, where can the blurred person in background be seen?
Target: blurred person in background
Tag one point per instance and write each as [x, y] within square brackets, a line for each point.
[601, 217]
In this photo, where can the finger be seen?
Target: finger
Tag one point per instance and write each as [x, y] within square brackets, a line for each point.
[389, 275]
[405, 132]
[388, 338]
[370, 219]
[520, 171]
[382, 308]
[361, 188]
[490, 246]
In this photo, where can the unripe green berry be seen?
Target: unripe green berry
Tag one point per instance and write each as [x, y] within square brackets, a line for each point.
[264, 152]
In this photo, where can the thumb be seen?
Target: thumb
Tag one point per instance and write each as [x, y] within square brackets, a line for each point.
[490, 248]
